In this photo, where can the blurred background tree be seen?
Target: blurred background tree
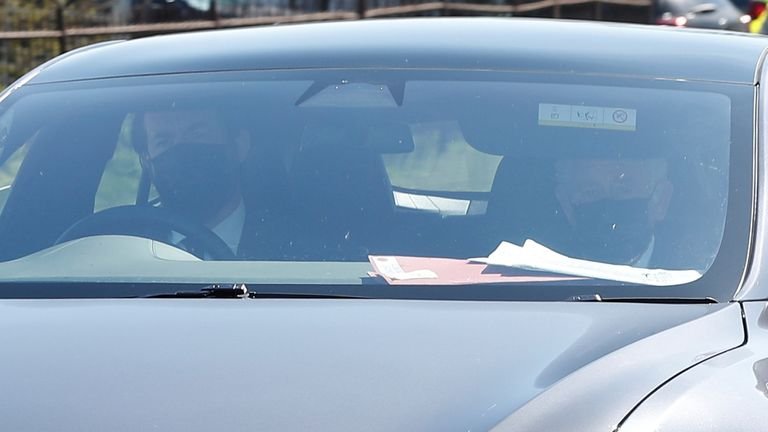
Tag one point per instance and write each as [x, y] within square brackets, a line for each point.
[20, 55]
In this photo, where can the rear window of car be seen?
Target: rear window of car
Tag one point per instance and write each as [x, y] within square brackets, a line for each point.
[324, 176]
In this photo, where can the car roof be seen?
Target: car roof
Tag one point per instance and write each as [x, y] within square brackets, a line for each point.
[450, 43]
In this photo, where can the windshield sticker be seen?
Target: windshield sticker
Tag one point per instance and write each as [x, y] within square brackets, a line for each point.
[587, 117]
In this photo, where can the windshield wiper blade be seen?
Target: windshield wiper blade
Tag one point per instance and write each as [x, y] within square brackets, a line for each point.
[210, 291]
[667, 300]
[240, 291]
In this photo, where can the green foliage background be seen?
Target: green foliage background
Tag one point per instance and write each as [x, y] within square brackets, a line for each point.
[21, 55]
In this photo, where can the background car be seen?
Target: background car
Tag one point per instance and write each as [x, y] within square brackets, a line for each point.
[717, 14]
[757, 13]
[163, 10]
[424, 224]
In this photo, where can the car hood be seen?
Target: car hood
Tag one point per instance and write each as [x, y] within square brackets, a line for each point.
[237, 365]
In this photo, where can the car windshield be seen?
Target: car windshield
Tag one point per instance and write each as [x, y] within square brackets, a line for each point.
[422, 183]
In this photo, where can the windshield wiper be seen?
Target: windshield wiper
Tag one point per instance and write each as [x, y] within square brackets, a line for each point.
[210, 291]
[240, 291]
[668, 300]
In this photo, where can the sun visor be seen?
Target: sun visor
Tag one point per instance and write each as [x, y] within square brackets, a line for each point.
[562, 130]
[499, 135]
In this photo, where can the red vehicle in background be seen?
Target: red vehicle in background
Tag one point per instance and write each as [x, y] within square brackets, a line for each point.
[757, 11]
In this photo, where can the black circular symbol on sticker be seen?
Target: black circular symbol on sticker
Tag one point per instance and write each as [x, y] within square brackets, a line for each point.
[619, 116]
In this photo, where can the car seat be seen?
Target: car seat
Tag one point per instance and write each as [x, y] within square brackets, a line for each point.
[522, 204]
[342, 200]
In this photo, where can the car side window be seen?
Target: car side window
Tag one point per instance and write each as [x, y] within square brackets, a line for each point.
[8, 171]
[120, 181]
[442, 162]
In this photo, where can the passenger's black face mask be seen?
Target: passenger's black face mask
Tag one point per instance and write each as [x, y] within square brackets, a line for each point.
[196, 179]
[612, 231]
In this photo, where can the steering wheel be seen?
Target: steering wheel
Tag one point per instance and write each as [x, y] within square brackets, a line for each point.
[150, 222]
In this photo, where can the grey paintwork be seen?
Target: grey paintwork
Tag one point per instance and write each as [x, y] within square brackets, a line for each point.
[754, 286]
[479, 43]
[199, 365]
[247, 365]
[726, 393]
[598, 396]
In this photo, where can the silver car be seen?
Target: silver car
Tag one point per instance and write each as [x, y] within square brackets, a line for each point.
[421, 225]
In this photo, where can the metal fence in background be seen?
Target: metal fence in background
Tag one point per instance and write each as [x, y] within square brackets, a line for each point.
[32, 35]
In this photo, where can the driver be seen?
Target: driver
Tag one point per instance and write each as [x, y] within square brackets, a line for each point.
[613, 207]
[193, 158]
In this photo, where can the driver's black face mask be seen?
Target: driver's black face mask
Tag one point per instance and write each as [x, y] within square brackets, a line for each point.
[196, 179]
[613, 231]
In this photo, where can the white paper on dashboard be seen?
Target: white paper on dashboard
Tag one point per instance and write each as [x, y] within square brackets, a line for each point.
[388, 266]
[536, 257]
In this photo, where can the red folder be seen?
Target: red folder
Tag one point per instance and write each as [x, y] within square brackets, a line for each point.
[407, 270]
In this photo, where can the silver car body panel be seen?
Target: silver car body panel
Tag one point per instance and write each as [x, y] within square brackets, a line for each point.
[245, 365]
[726, 393]
[753, 288]
[425, 43]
